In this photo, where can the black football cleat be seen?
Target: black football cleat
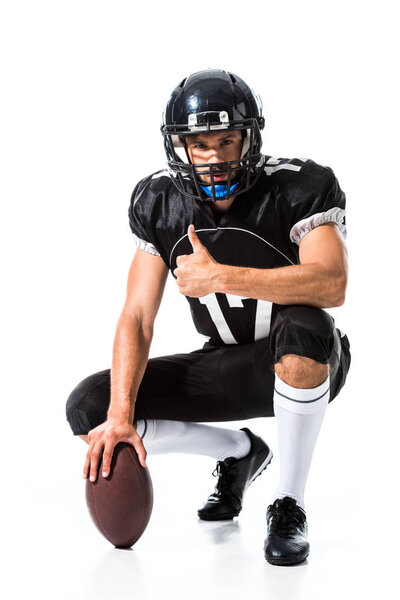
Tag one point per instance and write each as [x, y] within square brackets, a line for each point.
[234, 477]
[286, 542]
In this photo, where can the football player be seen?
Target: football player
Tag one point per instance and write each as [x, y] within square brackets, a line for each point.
[256, 244]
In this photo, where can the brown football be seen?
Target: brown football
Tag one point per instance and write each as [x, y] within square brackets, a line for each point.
[121, 504]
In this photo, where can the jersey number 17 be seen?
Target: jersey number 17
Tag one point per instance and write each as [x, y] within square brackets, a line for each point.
[262, 320]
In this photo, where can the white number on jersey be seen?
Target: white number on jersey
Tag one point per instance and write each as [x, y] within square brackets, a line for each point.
[262, 322]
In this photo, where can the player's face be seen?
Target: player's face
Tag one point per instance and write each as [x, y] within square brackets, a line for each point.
[214, 147]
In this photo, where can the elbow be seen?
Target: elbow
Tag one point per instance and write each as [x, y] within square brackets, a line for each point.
[339, 301]
[337, 296]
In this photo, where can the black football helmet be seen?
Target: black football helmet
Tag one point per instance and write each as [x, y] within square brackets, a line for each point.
[213, 100]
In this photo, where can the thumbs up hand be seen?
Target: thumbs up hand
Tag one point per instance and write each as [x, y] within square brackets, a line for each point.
[195, 240]
[196, 273]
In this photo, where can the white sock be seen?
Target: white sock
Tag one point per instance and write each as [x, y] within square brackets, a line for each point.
[162, 437]
[299, 414]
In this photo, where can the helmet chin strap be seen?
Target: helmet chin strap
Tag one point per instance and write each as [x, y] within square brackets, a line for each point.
[220, 190]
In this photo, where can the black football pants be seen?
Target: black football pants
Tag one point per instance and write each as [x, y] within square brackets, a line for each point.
[220, 383]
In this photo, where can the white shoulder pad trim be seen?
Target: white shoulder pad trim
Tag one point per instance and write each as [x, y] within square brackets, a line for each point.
[333, 215]
[163, 173]
[143, 245]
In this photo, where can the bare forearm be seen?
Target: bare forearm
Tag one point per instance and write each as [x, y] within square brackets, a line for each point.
[130, 355]
[309, 284]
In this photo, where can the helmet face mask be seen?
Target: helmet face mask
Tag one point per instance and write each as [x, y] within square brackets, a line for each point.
[233, 107]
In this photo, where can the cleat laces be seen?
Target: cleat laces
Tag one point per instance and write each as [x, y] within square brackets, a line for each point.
[225, 478]
[285, 520]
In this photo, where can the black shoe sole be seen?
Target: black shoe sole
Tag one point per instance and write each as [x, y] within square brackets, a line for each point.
[219, 518]
[285, 562]
[229, 516]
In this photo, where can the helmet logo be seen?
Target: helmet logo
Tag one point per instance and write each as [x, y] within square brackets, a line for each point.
[212, 119]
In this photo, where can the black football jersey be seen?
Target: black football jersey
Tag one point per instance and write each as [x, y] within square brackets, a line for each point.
[262, 228]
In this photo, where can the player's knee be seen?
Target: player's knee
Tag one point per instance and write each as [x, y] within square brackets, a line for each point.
[87, 403]
[304, 331]
[306, 318]
[300, 371]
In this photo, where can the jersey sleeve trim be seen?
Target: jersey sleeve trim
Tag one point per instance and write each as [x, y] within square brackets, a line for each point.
[333, 215]
[147, 246]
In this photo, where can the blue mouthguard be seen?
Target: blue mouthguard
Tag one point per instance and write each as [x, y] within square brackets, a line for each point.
[220, 190]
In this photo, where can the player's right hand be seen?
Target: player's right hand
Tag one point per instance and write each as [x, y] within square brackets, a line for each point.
[102, 441]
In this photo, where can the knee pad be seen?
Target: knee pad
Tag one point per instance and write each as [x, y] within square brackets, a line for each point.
[88, 403]
[302, 330]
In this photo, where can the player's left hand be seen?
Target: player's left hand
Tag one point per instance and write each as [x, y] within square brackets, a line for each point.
[196, 273]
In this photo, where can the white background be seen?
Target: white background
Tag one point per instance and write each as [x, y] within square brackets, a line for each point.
[83, 85]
